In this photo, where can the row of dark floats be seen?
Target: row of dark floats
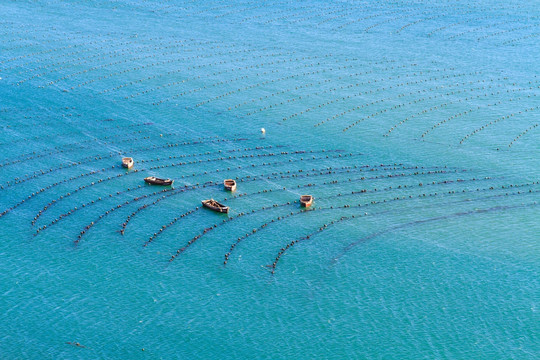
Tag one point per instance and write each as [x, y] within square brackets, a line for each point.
[228, 184]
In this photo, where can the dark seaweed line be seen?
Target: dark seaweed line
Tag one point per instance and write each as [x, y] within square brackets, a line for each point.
[350, 75]
[401, 95]
[257, 177]
[466, 112]
[197, 141]
[18, 181]
[273, 81]
[134, 171]
[283, 250]
[82, 187]
[84, 175]
[248, 178]
[183, 81]
[360, 205]
[256, 230]
[245, 53]
[33, 55]
[145, 206]
[61, 149]
[433, 219]
[493, 122]
[262, 175]
[105, 66]
[405, 186]
[343, 98]
[451, 192]
[83, 206]
[171, 223]
[126, 203]
[522, 133]
[129, 70]
[250, 76]
[176, 192]
[333, 182]
[209, 153]
[257, 66]
[69, 147]
[229, 219]
[415, 101]
[230, 158]
[16, 205]
[55, 65]
[377, 90]
[439, 106]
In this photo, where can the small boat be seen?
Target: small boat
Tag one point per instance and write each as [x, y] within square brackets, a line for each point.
[306, 200]
[229, 185]
[214, 205]
[127, 162]
[157, 181]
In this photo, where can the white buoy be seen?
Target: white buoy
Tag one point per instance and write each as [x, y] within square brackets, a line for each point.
[263, 131]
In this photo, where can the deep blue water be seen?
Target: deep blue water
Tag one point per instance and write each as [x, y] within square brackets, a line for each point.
[415, 125]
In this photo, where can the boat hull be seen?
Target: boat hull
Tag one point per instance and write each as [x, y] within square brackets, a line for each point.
[217, 208]
[229, 185]
[306, 200]
[127, 163]
[161, 182]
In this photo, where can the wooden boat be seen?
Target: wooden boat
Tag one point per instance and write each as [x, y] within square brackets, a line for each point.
[157, 181]
[306, 200]
[214, 205]
[127, 162]
[229, 185]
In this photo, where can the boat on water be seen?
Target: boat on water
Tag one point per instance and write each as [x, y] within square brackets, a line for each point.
[127, 162]
[306, 200]
[229, 184]
[157, 181]
[214, 205]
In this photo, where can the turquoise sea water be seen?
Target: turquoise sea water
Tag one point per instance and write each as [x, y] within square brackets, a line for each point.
[414, 124]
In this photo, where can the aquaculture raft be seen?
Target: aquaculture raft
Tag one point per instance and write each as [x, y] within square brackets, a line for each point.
[214, 205]
[157, 181]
